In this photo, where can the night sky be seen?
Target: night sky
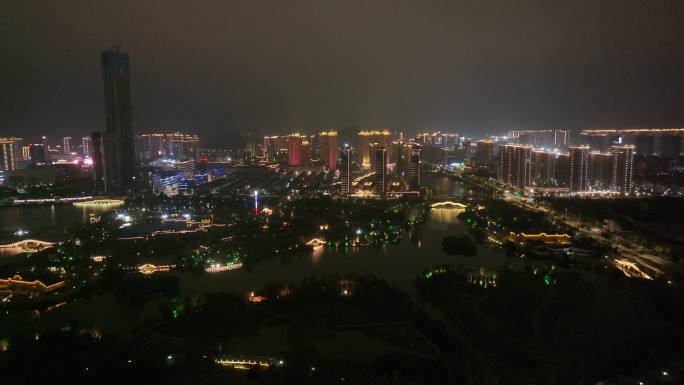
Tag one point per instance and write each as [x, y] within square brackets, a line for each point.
[223, 67]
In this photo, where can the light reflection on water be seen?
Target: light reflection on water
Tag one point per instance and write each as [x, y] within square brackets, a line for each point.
[46, 223]
[445, 215]
[397, 264]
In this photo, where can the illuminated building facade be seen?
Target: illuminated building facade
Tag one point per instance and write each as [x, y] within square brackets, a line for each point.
[515, 165]
[184, 168]
[623, 168]
[17, 285]
[270, 148]
[66, 145]
[327, 142]
[86, 146]
[380, 168]
[294, 150]
[579, 168]
[414, 167]
[176, 145]
[367, 141]
[540, 138]
[7, 154]
[661, 142]
[345, 169]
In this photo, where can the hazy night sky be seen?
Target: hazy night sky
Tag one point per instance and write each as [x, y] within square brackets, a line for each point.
[223, 67]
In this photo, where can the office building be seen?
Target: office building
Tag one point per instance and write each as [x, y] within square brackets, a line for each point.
[86, 146]
[623, 168]
[327, 144]
[380, 169]
[414, 167]
[579, 168]
[184, 168]
[66, 145]
[7, 154]
[119, 149]
[38, 154]
[345, 169]
[515, 165]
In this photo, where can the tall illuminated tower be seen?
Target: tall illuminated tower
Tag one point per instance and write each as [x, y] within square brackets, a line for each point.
[118, 119]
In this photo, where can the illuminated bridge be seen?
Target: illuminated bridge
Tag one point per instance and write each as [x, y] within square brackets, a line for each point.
[448, 205]
[28, 245]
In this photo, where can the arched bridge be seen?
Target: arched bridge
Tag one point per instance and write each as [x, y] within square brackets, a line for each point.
[28, 245]
[448, 205]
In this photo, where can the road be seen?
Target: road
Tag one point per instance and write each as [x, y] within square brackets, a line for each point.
[635, 260]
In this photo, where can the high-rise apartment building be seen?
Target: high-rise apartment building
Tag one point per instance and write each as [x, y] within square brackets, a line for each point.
[579, 168]
[544, 167]
[294, 150]
[484, 151]
[66, 145]
[600, 170]
[515, 165]
[7, 154]
[623, 168]
[367, 141]
[327, 142]
[270, 148]
[86, 143]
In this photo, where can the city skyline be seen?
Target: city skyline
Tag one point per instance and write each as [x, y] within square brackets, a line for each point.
[353, 84]
[342, 192]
